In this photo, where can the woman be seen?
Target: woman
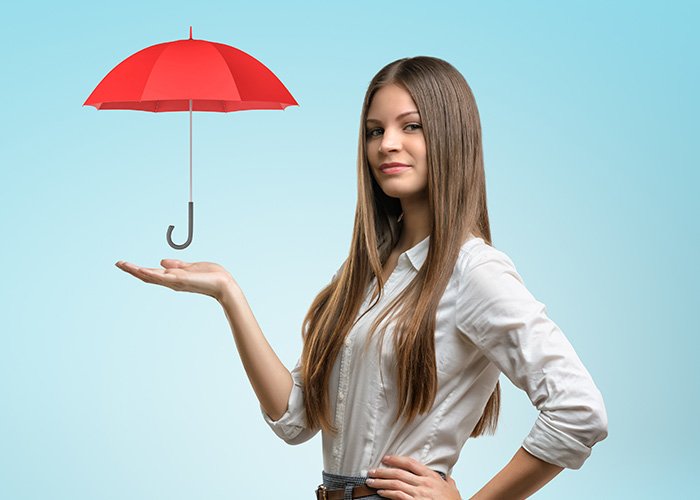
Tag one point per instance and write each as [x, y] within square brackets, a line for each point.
[404, 347]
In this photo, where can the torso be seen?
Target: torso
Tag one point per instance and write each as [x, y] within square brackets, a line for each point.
[363, 386]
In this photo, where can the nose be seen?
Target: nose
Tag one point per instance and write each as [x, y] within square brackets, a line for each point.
[390, 141]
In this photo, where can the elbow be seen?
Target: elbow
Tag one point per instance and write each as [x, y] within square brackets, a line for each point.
[297, 436]
[274, 417]
[301, 438]
[586, 422]
[599, 421]
[592, 426]
[565, 436]
[291, 426]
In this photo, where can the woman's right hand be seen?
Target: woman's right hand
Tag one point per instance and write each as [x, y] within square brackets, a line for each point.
[206, 278]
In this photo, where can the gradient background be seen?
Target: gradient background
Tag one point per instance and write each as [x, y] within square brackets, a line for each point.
[112, 388]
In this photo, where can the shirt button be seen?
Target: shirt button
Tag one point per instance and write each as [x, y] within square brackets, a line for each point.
[341, 396]
[348, 342]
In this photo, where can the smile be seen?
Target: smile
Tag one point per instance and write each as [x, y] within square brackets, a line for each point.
[393, 167]
[394, 170]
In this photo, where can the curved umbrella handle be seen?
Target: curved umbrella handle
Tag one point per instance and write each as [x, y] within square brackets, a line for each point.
[189, 230]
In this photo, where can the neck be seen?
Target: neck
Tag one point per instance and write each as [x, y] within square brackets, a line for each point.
[415, 224]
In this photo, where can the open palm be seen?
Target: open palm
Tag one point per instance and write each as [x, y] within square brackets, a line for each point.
[207, 278]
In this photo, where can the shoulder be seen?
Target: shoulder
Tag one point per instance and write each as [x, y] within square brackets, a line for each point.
[491, 292]
[476, 252]
[484, 267]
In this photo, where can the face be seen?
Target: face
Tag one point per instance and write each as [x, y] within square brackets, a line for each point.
[395, 135]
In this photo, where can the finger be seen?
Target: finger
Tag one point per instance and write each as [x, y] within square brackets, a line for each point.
[158, 276]
[173, 263]
[142, 273]
[410, 464]
[390, 484]
[399, 495]
[124, 265]
[127, 267]
[145, 274]
[395, 473]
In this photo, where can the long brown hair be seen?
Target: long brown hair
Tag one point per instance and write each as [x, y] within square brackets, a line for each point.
[457, 199]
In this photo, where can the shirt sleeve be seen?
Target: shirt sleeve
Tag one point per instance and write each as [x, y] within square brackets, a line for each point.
[291, 426]
[501, 317]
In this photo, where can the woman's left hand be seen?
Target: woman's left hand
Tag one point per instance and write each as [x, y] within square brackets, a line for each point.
[406, 478]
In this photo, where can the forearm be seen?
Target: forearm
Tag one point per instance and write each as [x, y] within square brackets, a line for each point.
[520, 478]
[271, 380]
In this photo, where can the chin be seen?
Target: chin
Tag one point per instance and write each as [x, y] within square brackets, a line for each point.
[402, 194]
[394, 193]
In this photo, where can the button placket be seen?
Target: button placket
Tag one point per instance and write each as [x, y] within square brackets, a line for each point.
[395, 280]
[340, 407]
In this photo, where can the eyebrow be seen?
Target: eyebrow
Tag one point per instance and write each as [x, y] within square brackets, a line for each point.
[401, 115]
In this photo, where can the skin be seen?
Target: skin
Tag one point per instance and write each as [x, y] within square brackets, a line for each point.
[407, 478]
[390, 139]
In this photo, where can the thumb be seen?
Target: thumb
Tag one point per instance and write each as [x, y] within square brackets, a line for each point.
[170, 263]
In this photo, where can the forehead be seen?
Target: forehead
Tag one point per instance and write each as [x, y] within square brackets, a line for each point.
[388, 102]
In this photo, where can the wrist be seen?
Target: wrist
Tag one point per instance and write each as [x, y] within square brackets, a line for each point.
[229, 292]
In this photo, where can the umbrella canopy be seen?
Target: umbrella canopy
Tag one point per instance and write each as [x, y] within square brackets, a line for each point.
[166, 76]
[190, 75]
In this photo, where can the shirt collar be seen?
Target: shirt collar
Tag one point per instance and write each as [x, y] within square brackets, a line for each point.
[417, 253]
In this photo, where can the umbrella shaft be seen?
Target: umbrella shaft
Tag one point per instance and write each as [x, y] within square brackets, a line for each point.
[190, 149]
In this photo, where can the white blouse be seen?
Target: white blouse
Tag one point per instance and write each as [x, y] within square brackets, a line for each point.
[487, 323]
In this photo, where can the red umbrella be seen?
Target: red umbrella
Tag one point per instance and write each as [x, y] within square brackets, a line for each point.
[194, 75]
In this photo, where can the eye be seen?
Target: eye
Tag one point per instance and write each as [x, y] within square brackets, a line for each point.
[370, 132]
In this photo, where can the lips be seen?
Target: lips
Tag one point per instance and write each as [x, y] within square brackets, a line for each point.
[385, 166]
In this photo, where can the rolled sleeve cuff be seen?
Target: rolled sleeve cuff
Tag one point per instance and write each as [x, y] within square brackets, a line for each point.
[289, 425]
[282, 427]
[554, 446]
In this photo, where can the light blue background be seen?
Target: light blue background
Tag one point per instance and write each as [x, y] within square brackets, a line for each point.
[113, 389]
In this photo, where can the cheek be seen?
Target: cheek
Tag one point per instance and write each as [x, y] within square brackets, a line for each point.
[422, 172]
[371, 156]
[372, 163]
[371, 160]
[372, 173]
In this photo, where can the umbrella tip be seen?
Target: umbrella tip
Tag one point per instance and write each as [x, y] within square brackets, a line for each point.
[190, 32]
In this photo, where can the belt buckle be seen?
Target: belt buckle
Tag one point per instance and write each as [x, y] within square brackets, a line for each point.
[322, 492]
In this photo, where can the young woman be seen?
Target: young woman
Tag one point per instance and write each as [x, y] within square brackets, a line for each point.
[404, 347]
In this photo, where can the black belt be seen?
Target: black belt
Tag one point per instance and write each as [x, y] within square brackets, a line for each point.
[324, 493]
